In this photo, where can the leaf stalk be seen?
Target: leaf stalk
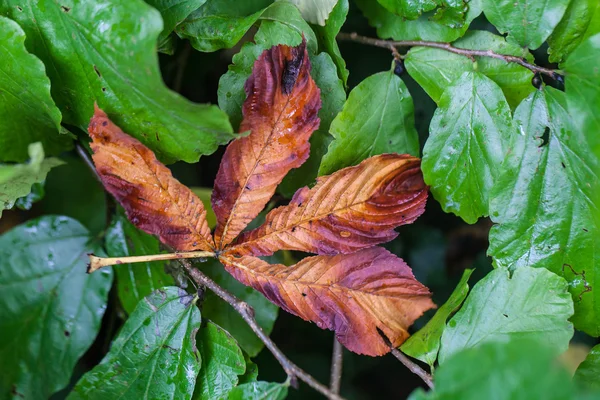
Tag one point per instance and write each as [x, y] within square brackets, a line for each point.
[98, 262]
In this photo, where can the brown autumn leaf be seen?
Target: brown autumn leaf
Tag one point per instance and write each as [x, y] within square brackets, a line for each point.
[154, 201]
[359, 291]
[354, 208]
[281, 112]
[356, 295]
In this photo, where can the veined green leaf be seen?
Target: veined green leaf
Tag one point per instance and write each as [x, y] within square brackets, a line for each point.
[111, 59]
[395, 27]
[50, 308]
[134, 281]
[435, 69]
[259, 391]
[16, 180]
[425, 344]
[222, 362]
[450, 12]
[575, 26]
[27, 112]
[155, 354]
[533, 304]
[469, 136]
[545, 205]
[527, 22]
[173, 12]
[377, 118]
[326, 35]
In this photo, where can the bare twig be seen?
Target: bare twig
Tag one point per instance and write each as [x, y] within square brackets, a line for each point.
[448, 47]
[337, 363]
[98, 262]
[85, 157]
[413, 367]
[247, 313]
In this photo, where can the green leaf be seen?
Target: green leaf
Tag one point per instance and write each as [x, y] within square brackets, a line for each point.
[425, 344]
[134, 281]
[527, 22]
[332, 100]
[222, 362]
[111, 59]
[543, 203]
[451, 12]
[27, 112]
[517, 370]
[377, 118]
[221, 313]
[16, 180]
[533, 304]
[315, 12]
[573, 29]
[155, 354]
[259, 391]
[583, 92]
[251, 373]
[173, 12]
[284, 26]
[435, 69]
[50, 308]
[395, 27]
[468, 139]
[326, 35]
[589, 370]
[37, 193]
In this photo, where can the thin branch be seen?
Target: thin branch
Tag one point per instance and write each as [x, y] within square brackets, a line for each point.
[247, 313]
[337, 363]
[448, 47]
[85, 157]
[413, 367]
[98, 262]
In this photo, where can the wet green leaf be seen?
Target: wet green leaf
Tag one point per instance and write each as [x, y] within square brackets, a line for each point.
[326, 35]
[50, 309]
[377, 118]
[544, 202]
[575, 26]
[223, 315]
[36, 194]
[27, 112]
[154, 356]
[259, 391]
[450, 12]
[589, 370]
[173, 12]
[16, 180]
[222, 362]
[517, 370]
[469, 137]
[111, 59]
[134, 281]
[332, 100]
[435, 69]
[425, 344]
[527, 22]
[395, 27]
[533, 304]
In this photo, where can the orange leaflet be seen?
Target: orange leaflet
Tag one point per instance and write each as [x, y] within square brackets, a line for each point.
[355, 295]
[281, 113]
[354, 208]
[154, 201]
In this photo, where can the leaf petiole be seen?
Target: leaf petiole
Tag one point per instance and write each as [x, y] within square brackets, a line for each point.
[98, 262]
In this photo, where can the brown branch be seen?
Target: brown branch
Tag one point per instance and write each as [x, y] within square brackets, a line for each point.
[337, 363]
[247, 313]
[413, 367]
[447, 47]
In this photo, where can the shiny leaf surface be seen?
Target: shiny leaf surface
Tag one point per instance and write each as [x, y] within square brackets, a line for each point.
[588, 371]
[576, 25]
[377, 118]
[50, 309]
[354, 208]
[259, 391]
[531, 304]
[468, 139]
[154, 356]
[327, 39]
[281, 114]
[315, 12]
[354, 295]
[153, 200]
